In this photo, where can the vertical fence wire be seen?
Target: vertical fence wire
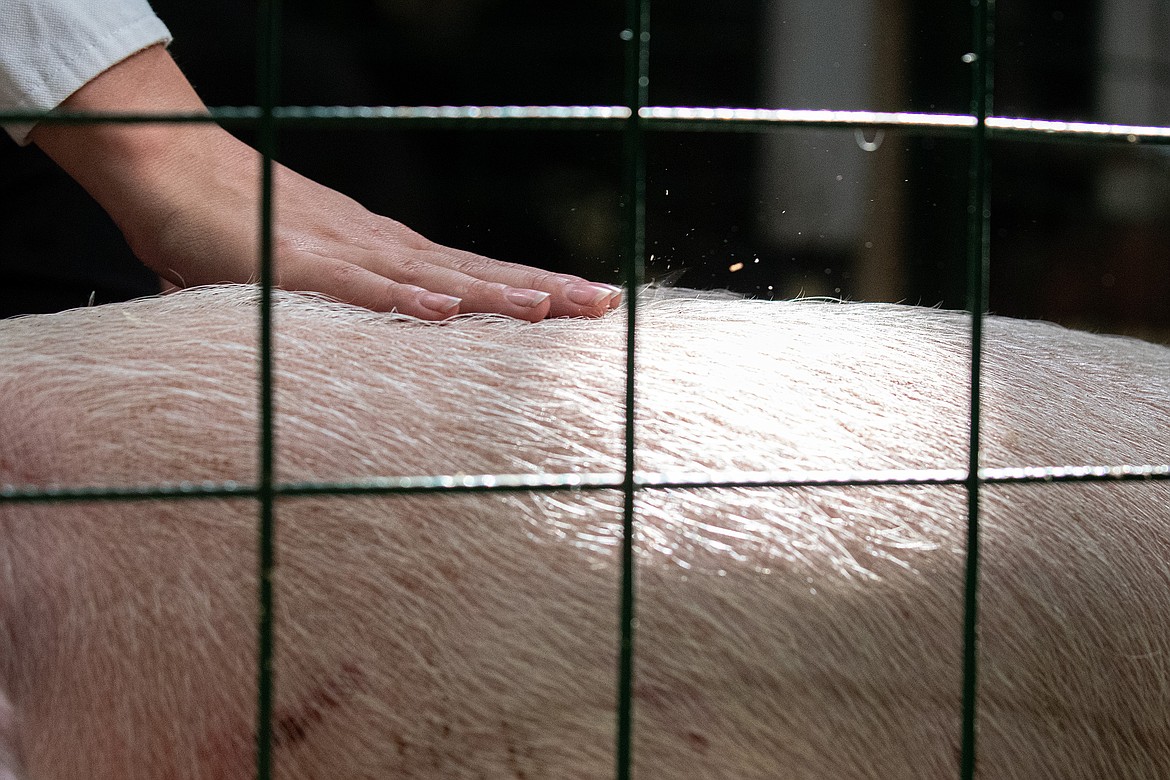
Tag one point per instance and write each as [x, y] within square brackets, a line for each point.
[637, 82]
[268, 59]
[978, 260]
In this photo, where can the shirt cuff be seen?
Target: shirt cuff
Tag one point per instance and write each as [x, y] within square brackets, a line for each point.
[64, 64]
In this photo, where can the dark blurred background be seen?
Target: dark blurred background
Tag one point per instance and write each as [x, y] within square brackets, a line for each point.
[1080, 234]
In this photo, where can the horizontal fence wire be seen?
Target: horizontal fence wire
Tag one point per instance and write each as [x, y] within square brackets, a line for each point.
[550, 482]
[614, 118]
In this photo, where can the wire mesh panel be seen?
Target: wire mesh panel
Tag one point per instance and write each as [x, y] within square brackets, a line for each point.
[635, 120]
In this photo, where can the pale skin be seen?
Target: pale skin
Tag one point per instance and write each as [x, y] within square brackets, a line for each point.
[186, 198]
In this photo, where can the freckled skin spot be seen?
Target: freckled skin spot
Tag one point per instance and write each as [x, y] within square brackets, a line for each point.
[514, 755]
[292, 724]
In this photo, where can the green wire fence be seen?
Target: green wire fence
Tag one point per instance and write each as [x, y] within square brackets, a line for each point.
[634, 120]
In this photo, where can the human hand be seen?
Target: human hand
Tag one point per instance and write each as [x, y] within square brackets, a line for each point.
[187, 199]
[201, 225]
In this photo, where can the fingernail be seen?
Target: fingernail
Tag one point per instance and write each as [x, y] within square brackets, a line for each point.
[443, 304]
[589, 294]
[527, 298]
[615, 298]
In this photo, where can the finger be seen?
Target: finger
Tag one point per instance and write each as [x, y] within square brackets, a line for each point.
[356, 285]
[571, 296]
[430, 270]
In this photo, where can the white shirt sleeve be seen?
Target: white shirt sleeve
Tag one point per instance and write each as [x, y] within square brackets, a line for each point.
[50, 48]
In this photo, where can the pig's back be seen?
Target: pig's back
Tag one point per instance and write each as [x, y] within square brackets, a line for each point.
[782, 633]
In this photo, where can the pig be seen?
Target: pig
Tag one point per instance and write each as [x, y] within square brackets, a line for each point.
[781, 632]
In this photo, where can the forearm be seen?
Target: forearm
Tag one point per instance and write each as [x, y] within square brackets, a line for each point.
[126, 165]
